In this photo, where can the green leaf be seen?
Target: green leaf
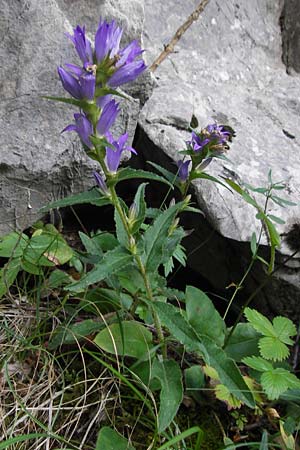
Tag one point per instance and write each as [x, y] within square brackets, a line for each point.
[273, 233]
[138, 208]
[213, 355]
[205, 176]
[73, 333]
[57, 279]
[253, 244]
[168, 374]
[273, 348]
[121, 232]
[284, 328]
[183, 436]
[13, 244]
[69, 101]
[156, 235]
[194, 382]
[109, 439]
[264, 441]
[46, 248]
[222, 393]
[203, 316]
[282, 202]
[276, 219]
[257, 363]
[228, 372]
[243, 342]
[8, 274]
[91, 245]
[106, 241]
[259, 322]
[128, 338]
[131, 280]
[128, 173]
[94, 197]
[112, 262]
[10, 443]
[276, 381]
[179, 327]
[171, 177]
[236, 187]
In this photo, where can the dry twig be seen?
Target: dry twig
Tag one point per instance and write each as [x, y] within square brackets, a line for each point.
[169, 48]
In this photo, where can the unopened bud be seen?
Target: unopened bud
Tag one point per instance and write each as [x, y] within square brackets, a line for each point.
[132, 245]
[172, 202]
[132, 212]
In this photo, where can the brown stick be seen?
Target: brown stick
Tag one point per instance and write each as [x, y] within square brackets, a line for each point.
[181, 30]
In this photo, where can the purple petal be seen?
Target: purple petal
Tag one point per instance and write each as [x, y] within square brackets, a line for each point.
[126, 73]
[108, 117]
[129, 53]
[113, 158]
[70, 127]
[107, 40]
[69, 83]
[100, 181]
[183, 170]
[83, 127]
[87, 85]
[102, 101]
[82, 44]
[76, 70]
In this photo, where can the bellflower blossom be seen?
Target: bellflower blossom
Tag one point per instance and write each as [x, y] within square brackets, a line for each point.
[81, 87]
[108, 116]
[82, 45]
[183, 170]
[197, 143]
[83, 127]
[117, 66]
[217, 132]
[113, 156]
[107, 40]
[100, 182]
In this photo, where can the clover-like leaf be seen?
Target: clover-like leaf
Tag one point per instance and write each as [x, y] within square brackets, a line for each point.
[259, 322]
[275, 382]
[284, 328]
[273, 348]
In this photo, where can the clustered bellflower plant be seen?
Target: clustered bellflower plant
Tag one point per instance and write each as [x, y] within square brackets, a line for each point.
[149, 239]
[104, 67]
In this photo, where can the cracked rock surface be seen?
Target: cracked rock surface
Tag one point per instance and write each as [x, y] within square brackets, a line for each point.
[228, 67]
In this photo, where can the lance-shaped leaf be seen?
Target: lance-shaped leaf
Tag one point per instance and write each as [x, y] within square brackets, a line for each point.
[156, 235]
[8, 274]
[94, 197]
[169, 375]
[138, 209]
[213, 355]
[70, 101]
[112, 261]
[128, 173]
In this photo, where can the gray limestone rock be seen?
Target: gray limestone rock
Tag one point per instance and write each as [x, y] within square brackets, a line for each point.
[228, 68]
[37, 163]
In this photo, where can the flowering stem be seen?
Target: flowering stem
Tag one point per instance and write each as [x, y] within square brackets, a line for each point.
[117, 205]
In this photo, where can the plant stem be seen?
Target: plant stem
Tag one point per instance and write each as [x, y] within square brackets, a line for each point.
[139, 262]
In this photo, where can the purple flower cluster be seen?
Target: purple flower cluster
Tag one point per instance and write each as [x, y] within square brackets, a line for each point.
[104, 67]
[210, 142]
